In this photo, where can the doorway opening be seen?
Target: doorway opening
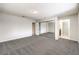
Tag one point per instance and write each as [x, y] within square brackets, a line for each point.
[46, 29]
[64, 30]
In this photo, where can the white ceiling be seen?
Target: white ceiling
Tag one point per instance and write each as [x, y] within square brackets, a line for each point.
[37, 10]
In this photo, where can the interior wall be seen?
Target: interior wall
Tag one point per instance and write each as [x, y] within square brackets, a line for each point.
[73, 26]
[43, 28]
[78, 27]
[37, 28]
[56, 28]
[51, 27]
[14, 27]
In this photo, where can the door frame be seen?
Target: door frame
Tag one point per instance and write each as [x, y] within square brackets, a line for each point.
[33, 28]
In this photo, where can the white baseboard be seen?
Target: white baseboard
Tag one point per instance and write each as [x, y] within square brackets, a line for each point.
[15, 37]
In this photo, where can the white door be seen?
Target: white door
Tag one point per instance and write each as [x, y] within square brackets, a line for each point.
[65, 28]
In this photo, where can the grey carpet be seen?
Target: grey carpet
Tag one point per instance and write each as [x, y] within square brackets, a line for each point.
[39, 45]
[48, 35]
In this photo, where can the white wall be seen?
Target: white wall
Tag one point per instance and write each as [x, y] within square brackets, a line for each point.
[13, 27]
[56, 28]
[51, 27]
[78, 27]
[43, 28]
[37, 28]
[73, 26]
